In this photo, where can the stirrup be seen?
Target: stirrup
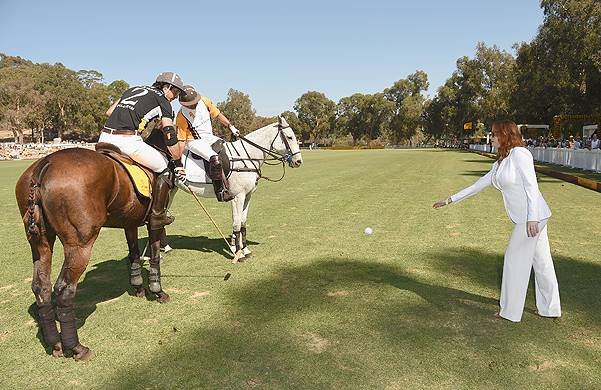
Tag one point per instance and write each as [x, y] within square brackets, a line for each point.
[224, 196]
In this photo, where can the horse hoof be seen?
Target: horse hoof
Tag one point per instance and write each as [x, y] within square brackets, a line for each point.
[139, 291]
[57, 350]
[83, 354]
[163, 297]
[247, 256]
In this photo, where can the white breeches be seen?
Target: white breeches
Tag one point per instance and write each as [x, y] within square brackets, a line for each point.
[135, 147]
[524, 253]
[202, 146]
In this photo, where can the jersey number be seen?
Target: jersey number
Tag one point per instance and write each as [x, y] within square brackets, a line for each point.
[129, 100]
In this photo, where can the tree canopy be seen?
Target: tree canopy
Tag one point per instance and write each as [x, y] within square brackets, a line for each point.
[558, 72]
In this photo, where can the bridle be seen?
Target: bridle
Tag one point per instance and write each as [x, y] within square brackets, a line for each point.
[275, 156]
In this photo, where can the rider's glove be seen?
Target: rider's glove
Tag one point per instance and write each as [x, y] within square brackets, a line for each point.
[178, 169]
[234, 131]
[180, 172]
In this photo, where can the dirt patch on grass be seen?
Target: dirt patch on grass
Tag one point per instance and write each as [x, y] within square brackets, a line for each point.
[176, 291]
[339, 293]
[200, 294]
[3, 288]
[455, 234]
[586, 338]
[109, 301]
[316, 343]
[544, 365]
[253, 382]
[4, 336]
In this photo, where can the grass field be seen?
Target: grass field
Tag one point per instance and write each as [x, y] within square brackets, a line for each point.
[321, 305]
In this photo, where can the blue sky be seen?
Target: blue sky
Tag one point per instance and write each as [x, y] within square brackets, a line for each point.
[272, 50]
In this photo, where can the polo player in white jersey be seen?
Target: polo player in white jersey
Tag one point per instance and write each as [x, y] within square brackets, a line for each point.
[194, 126]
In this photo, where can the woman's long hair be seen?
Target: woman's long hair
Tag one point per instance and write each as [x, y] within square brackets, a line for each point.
[509, 136]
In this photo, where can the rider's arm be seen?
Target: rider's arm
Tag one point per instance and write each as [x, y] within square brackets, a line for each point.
[170, 132]
[224, 121]
[112, 108]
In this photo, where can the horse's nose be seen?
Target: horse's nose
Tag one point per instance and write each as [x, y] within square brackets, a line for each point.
[298, 163]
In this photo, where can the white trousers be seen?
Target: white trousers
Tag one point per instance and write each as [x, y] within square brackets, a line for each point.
[522, 255]
[135, 147]
[202, 146]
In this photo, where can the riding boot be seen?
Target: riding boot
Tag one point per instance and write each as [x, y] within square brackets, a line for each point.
[160, 198]
[216, 174]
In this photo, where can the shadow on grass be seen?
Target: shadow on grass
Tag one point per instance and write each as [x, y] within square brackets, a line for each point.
[109, 279]
[329, 323]
[344, 301]
[101, 282]
[199, 243]
[578, 281]
[541, 178]
[487, 161]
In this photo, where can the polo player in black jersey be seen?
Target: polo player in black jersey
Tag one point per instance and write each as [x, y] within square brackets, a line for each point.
[129, 117]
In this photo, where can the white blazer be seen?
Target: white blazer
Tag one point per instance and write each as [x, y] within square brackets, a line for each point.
[515, 177]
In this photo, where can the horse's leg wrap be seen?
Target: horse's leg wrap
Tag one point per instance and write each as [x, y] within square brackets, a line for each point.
[48, 324]
[243, 233]
[236, 240]
[154, 278]
[66, 317]
[135, 274]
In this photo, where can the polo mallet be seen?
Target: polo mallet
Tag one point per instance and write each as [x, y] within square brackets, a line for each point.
[236, 255]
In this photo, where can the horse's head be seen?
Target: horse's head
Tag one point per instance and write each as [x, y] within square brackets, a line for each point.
[287, 144]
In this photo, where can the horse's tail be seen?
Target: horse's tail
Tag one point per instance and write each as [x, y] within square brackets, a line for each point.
[33, 218]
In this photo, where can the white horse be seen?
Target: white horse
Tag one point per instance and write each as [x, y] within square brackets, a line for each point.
[246, 155]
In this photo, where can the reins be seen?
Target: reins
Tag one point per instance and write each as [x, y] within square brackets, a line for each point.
[275, 156]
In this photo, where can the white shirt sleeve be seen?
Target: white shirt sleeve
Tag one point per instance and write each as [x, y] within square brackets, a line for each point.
[525, 167]
[478, 186]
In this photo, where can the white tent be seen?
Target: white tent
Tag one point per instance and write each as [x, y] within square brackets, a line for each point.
[588, 130]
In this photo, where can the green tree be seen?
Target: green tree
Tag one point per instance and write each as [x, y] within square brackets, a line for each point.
[560, 70]
[19, 100]
[408, 98]
[295, 124]
[315, 111]
[65, 93]
[238, 109]
[364, 117]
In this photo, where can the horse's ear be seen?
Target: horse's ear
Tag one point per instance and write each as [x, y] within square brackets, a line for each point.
[280, 119]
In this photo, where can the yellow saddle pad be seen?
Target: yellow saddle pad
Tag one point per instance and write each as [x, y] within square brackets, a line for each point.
[139, 177]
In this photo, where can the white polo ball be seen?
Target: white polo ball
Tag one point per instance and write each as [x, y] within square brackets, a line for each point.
[368, 231]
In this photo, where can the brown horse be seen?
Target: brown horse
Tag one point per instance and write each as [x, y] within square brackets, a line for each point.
[71, 194]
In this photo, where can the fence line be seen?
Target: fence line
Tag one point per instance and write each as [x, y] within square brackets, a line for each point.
[589, 160]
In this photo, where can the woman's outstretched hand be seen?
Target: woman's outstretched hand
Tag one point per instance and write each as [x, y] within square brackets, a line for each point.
[441, 203]
[532, 228]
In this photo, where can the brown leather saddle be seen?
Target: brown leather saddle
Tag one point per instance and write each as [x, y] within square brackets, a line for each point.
[114, 153]
[219, 148]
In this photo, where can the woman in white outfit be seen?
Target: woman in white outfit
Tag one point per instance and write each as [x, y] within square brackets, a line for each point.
[513, 174]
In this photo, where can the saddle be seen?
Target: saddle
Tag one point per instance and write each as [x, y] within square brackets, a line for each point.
[224, 159]
[140, 176]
